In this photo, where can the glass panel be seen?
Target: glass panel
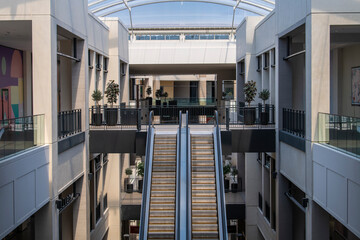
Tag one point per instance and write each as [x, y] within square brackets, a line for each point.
[191, 37]
[342, 132]
[172, 37]
[157, 37]
[19, 134]
[206, 36]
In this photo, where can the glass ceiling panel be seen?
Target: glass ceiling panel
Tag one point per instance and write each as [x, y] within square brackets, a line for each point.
[172, 13]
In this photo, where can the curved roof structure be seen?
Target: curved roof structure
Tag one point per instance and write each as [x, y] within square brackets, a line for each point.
[104, 8]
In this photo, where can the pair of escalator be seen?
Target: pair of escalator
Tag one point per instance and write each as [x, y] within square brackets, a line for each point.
[162, 204]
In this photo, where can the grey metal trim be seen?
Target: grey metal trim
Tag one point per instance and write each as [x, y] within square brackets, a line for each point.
[178, 177]
[69, 142]
[294, 55]
[295, 202]
[219, 181]
[189, 179]
[145, 206]
[292, 140]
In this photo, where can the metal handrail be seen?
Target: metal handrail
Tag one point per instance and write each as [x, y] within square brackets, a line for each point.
[178, 174]
[188, 180]
[219, 181]
[145, 206]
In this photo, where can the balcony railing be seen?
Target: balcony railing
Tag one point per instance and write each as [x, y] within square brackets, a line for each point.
[19, 134]
[342, 132]
[253, 116]
[183, 102]
[135, 118]
[294, 122]
[69, 123]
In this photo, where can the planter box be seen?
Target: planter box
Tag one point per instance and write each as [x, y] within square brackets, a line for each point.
[264, 118]
[111, 116]
[234, 187]
[140, 186]
[96, 119]
[249, 116]
[226, 185]
[129, 188]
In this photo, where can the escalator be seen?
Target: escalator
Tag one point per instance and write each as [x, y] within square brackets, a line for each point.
[204, 208]
[183, 192]
[163, 183]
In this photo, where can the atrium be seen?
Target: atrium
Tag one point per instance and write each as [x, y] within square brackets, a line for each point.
[165, 119]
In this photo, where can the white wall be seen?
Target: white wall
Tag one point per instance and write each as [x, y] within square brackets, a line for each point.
[69, 167]
[24, 187]
[265, 33]
[98, 35]
[337, 185]
[182, 52]
[292, 165]
[290, 12]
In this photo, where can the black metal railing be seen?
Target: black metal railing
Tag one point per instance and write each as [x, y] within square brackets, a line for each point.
[19, 134]
[294, 122]
[124, 117]
[253, 116]
[69, 123]
[229, 116]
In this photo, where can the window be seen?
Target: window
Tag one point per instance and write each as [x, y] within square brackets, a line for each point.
[89, 59]
[191, 37]
[266, 55]
[143, 37]
[123, 68]
[105, 202]
[221, 36]
[242, 67]
[132, 88]
[98, 64]
[97, 182]
[259, 63]
[228, 89]
[106, 63]
[172, 37]
[206, 36]
[157, 37]
[273, 57]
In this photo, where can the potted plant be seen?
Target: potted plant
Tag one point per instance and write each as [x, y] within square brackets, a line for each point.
[264, 116]
[129, 186]
[165, 95]
[234, 185]
[148, 92]
[97, 115]
[226, 170]
[158, 95]
[140, 173]
[112, 92]
[250, 93]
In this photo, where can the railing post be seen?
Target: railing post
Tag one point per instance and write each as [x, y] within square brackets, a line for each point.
[227, 116]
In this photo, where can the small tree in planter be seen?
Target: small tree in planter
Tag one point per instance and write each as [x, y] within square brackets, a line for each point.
[149, 92]
[112, 92]
[165, 95]
[158, 95]
[234, 185]
[140, 173]
[264, 116]
[97, 116]
[250, 94]
[226, 170]
[129, 186]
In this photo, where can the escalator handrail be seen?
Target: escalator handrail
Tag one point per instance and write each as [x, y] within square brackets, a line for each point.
[178, 174]
[145, 206]
[219, 181]
[188, 180]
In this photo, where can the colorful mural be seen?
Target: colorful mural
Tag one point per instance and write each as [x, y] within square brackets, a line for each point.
[11, 83]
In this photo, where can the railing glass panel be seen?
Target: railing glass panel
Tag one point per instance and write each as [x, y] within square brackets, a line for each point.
[341, 132]
[19, 134]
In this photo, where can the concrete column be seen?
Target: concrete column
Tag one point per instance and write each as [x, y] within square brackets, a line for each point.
[44, 45]
[252, 184]
[124, 86]
[27, 84]
[114, 172]
[202, 89]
